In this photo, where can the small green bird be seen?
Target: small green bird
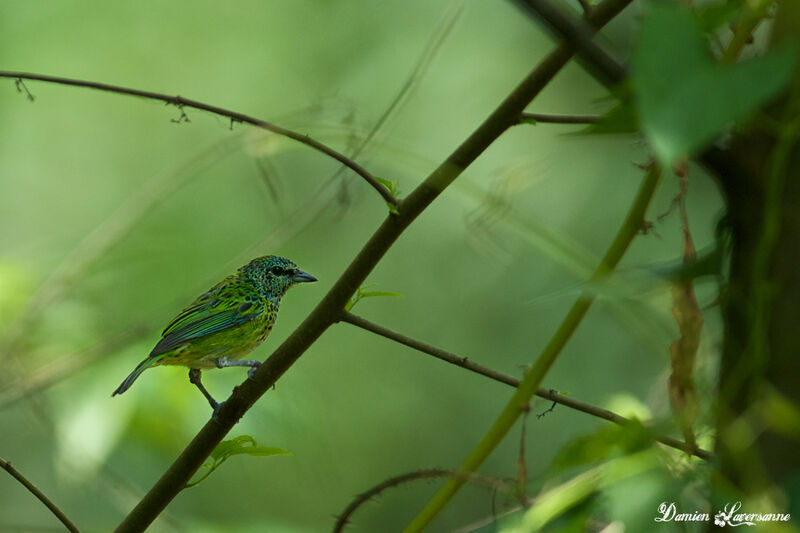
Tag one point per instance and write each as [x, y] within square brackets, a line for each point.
[226, 323]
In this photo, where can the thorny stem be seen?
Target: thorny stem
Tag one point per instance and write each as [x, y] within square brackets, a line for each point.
[548, 394]
[372, 493]
[182, 103]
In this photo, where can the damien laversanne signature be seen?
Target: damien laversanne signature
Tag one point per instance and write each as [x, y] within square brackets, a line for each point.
[729, 516]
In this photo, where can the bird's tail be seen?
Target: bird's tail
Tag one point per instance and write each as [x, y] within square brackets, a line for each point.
[144, 365]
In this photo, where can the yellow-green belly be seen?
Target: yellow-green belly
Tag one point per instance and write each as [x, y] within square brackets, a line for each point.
[233, 343]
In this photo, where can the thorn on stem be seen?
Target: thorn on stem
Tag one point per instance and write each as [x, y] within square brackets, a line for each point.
[648, 227]
[183, 117]
[22, 88]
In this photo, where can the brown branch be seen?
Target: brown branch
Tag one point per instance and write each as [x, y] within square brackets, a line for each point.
[579, 33]
[470, 477]
[181, 103]
[558, 119]
[329, 309]
[39, 495]
[490, 373]
[608, 72]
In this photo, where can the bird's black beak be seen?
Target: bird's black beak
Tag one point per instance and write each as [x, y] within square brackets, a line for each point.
[303, 277]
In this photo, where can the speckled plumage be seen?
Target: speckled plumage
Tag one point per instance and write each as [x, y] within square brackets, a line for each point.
[225, 323]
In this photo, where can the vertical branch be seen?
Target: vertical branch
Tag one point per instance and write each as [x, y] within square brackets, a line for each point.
[689, 318]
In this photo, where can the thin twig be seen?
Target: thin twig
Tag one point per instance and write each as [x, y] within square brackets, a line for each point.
[470, 477]
[39, 495]
[181, 103]
[468, 364]
[329, 309]
[522, 466]
[558, 119]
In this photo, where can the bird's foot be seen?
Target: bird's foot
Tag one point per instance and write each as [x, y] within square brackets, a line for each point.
[253, 368]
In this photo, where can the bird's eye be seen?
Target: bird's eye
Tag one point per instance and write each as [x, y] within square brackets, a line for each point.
[277, 270]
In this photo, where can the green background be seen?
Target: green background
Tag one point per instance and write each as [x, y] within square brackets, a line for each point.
[150, 213]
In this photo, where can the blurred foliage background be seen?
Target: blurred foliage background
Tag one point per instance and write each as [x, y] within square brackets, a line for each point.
[113, 216]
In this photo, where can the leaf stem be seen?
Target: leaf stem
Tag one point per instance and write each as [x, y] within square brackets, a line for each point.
[753, 15]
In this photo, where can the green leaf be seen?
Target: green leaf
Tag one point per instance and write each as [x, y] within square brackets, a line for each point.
[241, 445]
[394, 189]
[683, 97]
[607, 442]
[259, 451]
[556, 501]
[226, 447]
[392, 186]
[361, 294]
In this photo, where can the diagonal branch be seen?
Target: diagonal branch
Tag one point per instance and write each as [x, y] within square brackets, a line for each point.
[39, 495]
[548, 394]
[181, 103]
[608, 72]
[329, 309]
[578, 32]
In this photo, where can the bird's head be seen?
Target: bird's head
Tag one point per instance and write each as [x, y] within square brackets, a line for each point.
[273, 275]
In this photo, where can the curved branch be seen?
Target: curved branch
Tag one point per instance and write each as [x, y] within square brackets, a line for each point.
[181, 103]
[364, 497]
[548, 394]
[39, 495]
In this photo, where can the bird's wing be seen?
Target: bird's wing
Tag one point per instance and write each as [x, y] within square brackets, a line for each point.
[214, 311]
[205, 304]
